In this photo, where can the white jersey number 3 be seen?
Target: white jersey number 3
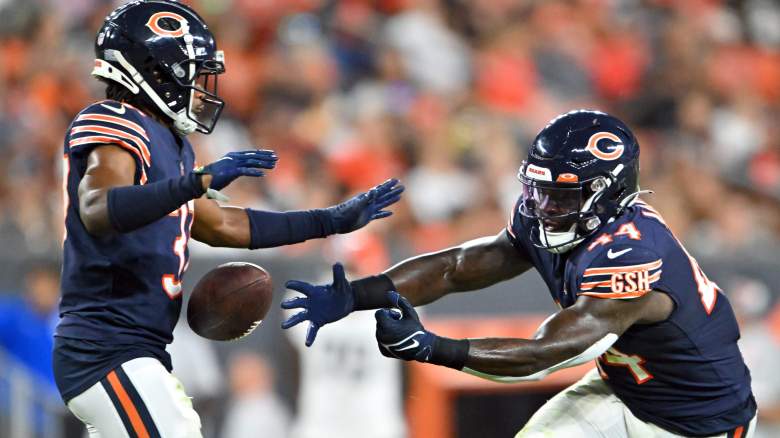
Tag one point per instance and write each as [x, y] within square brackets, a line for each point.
[171, 283]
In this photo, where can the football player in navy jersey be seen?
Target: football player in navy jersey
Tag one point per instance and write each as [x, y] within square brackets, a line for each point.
[663, 335]
[133, 200]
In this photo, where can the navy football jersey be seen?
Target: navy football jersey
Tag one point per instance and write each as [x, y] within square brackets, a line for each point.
[121, 291]
[685, 374]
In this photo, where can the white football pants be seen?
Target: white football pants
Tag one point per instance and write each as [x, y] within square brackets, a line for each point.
[139, 399]
[589, 409]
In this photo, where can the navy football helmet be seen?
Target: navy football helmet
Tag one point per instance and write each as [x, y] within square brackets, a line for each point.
[582, 171]
[163, 52]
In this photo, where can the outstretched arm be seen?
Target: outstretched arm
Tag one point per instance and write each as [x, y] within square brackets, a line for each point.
[246, 228]
[110, 202]
[472, 265]
[572, 336]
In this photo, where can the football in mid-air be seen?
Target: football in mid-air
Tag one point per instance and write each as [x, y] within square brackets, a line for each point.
[230, 301]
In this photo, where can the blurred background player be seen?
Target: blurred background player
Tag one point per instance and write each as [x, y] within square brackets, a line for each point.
[205, 382]
[759, 343]
[343, 380]
[27, 324]
[134, 198]
[631, 296]
[254, 406]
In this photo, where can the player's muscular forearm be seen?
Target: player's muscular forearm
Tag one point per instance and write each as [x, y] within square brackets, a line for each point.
[109, 201]
[423, 279]
[565, 336]
[220, 226]
[248, 228]
[574, 335]
[473, 265]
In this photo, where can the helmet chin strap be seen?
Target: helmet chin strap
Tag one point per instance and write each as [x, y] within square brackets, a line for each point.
[559, 242]
[181, 123]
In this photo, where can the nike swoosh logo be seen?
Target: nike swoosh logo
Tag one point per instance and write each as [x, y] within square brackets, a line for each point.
[120, 110]
[414, 343]
[613, 255]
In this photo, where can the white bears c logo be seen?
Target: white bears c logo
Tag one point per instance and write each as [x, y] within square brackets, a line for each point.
[593, 146]
[154, 24]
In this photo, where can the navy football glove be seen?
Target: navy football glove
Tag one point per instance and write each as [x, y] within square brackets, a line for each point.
[355, 213]
[236, 164]
[400, 334]
[321, 304]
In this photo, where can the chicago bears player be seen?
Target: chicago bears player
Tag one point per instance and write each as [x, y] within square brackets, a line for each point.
[664, 336]
[134, 198]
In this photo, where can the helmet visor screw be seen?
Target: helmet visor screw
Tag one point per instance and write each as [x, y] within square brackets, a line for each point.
[592, 223]
[598, 185]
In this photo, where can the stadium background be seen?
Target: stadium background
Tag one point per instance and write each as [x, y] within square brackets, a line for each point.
[446, 95]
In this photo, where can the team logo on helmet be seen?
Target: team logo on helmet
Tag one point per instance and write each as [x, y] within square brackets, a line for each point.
[154, 24]
[593, 146]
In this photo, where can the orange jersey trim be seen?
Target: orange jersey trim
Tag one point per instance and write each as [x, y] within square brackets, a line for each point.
[147, 156]
[615, 294]
[116, 120]
[111, 140]
[593, 284]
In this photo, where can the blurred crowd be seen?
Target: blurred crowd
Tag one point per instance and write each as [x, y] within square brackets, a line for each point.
[444, 94]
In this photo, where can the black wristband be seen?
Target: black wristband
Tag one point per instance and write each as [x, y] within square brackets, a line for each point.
[371, 292]
[450, 352]
[325, 219]
[270, 229]
[132, 207]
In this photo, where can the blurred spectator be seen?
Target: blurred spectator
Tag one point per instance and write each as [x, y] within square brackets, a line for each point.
[254, 408]
[751, 300]
[435, 57]
[443, 94]
[196, 365]
[27, 322]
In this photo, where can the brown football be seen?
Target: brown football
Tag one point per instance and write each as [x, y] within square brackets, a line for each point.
[230, 301]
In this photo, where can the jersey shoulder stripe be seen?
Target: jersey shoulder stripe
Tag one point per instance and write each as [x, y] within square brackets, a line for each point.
[115, 121]
[621, 271]
[100, 140]
[112, 122]
[98, 129]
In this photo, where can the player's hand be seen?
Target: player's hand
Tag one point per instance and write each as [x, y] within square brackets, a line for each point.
[321, 304]
[236, 164]
[355, 213]
[400, 334]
